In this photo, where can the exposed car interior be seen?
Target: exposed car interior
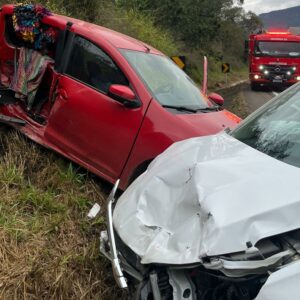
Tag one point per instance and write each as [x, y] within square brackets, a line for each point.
[36, 53]
[27, 71]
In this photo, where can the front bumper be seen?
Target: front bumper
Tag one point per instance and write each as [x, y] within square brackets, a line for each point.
[278, 79]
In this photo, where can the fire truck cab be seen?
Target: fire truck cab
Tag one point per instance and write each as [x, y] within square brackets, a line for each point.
[274, 58]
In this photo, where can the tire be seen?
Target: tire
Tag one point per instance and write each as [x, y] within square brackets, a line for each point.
[139, 170]
[255, 86]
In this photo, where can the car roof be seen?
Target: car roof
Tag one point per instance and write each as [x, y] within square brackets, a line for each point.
[116, 39]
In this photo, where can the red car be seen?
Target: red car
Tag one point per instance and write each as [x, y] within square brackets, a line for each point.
[104, 100]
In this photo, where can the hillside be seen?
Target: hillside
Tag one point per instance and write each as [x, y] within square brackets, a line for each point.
[283, 18]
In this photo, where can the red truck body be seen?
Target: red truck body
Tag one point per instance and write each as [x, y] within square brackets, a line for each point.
[274, 58]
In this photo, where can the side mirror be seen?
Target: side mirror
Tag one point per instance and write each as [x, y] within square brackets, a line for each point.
[218, 99]
[124, 95]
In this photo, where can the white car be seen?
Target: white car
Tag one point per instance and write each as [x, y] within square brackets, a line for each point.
[216, 217]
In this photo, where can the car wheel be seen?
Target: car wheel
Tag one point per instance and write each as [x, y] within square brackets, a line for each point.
[139, 171]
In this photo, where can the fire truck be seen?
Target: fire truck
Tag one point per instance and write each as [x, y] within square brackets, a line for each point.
[274, 58]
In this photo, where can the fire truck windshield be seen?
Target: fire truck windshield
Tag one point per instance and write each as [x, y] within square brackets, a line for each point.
[277, 49]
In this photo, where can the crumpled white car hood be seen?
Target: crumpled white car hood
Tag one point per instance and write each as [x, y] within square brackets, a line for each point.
[282, 284]
[205, 197]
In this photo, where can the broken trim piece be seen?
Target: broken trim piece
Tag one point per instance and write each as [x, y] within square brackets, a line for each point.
[117, 270]
[5, 119]
[248, 267]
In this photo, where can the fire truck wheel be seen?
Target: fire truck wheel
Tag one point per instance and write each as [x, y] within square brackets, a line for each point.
[254, 86]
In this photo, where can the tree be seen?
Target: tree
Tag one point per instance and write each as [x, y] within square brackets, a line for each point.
[195, 22]
[251, 22]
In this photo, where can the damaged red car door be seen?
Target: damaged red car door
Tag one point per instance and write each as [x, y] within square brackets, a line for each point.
[85, 121]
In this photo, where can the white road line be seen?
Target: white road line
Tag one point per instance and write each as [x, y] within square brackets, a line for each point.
[275, 94]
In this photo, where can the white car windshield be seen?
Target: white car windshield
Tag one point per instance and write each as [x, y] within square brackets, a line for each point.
[168, 84]
[275, 129]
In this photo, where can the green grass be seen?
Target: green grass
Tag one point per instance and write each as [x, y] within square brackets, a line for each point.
[216, 79]
[238, 106]
[69, 174]
[143, 28]
[47, 245]
[41, 202]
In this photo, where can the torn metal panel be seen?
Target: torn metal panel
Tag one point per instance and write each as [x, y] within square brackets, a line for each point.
[205, 197]
[6, 119]
[247, 267]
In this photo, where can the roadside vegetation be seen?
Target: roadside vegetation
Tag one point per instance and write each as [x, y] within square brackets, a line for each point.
[236, 102]
[48, 248]
[215, 28]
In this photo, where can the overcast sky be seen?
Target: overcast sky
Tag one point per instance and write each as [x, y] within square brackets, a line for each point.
[261, 6]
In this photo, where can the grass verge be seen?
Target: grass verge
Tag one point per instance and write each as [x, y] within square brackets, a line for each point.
[238, 105]
[48, 249]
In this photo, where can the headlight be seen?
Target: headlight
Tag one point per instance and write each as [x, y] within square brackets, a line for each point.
[266, 72]
[256, 76]
[288, 73]
[294, 68]
[298, 78]
[261, 67]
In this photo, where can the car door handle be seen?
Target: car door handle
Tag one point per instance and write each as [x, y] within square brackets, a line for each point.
[63, 94]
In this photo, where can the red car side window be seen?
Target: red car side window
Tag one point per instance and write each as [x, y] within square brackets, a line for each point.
[89, 64]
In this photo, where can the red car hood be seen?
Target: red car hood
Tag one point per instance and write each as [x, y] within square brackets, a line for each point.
[214, 121]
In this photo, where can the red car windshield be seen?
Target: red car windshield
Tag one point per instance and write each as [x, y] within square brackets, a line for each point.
[277, 49]
[168, 84]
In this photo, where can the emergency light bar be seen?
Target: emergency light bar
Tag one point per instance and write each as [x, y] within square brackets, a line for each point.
[278, 31]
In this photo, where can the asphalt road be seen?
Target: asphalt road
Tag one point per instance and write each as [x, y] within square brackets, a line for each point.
[256, 99]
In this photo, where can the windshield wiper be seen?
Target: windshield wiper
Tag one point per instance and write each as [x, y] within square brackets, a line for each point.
[208, 109]
[195, 110]
[180, 108]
